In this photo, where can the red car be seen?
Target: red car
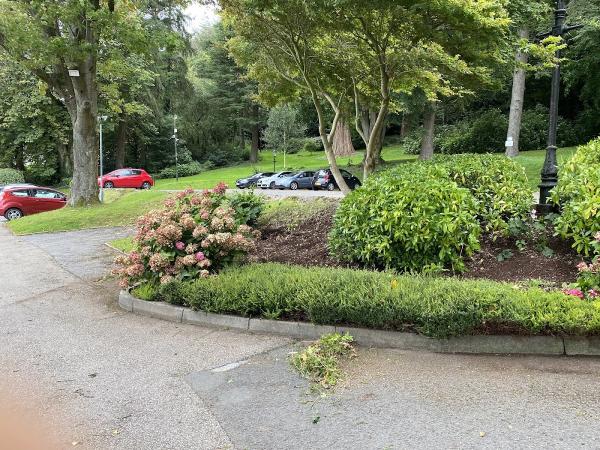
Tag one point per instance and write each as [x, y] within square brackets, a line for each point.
[21, 200]
[127, 178]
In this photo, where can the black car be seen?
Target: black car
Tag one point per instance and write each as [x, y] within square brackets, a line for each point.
[323, 179]
[244, 183]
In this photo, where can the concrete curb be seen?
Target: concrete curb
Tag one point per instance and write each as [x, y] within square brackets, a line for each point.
[479, 344]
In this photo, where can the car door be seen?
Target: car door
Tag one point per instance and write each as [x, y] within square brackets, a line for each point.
[126, 179]
[23, 199]
[48, 200]
[306, 179]
[135, 179]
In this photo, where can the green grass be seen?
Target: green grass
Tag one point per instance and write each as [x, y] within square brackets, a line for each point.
[298, 161]
[534, 160]
[124, 244]
[121, 208]
[531, 160]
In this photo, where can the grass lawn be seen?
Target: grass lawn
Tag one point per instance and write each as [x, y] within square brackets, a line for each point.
[121, 208]
[531, 160]
[298, 161]
[123, 244]
[534, 160]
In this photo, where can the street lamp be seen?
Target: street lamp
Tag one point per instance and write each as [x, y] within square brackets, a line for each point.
[549, 173]
[175, 141]
[101, 120]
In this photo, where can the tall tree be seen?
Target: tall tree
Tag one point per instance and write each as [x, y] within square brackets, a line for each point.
[284, 128]
[60, 43]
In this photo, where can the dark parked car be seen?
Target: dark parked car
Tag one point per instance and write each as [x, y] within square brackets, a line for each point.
[323, 179]
[17, 201]
[244, 183]
[300, 180]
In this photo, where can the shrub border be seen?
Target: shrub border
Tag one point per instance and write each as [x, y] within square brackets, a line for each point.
[477, 344]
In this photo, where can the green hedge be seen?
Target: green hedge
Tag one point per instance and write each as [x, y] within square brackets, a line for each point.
[578, 193]
[10, 176]
[437, 307]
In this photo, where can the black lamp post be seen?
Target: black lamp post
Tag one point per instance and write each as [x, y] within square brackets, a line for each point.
[550, 168]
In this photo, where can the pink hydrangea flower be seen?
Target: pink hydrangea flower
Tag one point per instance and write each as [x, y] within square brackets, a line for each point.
[583, 267]
[200, 256]
[574, 293]
[180, 245]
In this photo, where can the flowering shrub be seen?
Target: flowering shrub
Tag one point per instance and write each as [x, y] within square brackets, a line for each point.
[193, 236]
[588, 282]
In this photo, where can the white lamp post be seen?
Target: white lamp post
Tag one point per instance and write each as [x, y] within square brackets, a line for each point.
[101, 119]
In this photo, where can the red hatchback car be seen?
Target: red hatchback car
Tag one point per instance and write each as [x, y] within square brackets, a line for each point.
[127, 178]
[18, 201]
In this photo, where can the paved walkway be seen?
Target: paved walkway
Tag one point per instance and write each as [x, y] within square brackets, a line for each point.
[103, 378]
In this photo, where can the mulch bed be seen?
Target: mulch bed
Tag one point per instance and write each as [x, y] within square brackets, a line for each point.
[306, 245]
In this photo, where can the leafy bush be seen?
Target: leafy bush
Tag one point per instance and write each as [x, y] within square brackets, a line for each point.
[438, 307]
[10, 176]
[247, 207]
[184, 170]
[320, 362]
[485, 132]
[312, 145]
[409, 218]
[193, 236]
[499, 184]
[578, 192]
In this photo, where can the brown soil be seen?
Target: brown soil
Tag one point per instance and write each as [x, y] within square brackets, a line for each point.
[529, 264]
[307, 246]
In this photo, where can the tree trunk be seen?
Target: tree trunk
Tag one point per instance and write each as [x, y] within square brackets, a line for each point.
[65, 161]
[255, 136]
[429, 130]
[121, 142]
[404, 126]
[84, 189]
[516, 100]
[242, 137]
[342, 140]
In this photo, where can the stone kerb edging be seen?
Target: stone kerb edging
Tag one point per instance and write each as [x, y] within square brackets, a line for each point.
[480, 344]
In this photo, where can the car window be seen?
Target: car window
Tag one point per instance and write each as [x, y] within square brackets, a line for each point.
[43, 193]
[136, 172]
[21, 193]
[308, 174]
[121, 173]
[321, 173]
[345, 173]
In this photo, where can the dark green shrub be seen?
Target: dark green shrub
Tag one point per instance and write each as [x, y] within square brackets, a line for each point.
[184, 170]
[10, 176]
[247, 207]
[312, 145]
[498, 183]
[578, 192]
[438, 307]
[409, 218]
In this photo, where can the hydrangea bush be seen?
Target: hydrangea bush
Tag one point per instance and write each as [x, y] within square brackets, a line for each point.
[588, 282]
[194, 236]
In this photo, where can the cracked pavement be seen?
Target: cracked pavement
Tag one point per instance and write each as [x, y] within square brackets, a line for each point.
[103, 378]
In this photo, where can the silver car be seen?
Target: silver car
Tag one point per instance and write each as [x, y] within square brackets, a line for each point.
[269, 182]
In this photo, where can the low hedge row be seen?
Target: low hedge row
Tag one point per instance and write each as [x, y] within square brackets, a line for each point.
[437, 307]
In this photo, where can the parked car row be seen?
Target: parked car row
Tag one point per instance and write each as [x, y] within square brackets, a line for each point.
[321, 179]
[18, 200]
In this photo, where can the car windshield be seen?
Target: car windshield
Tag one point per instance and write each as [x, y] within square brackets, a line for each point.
[284, 174]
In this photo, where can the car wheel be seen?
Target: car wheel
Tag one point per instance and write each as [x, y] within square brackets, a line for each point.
[146, 185]
[272, 185]
[109, 185]
[293, 185]
[331, 187]
[13, 214]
